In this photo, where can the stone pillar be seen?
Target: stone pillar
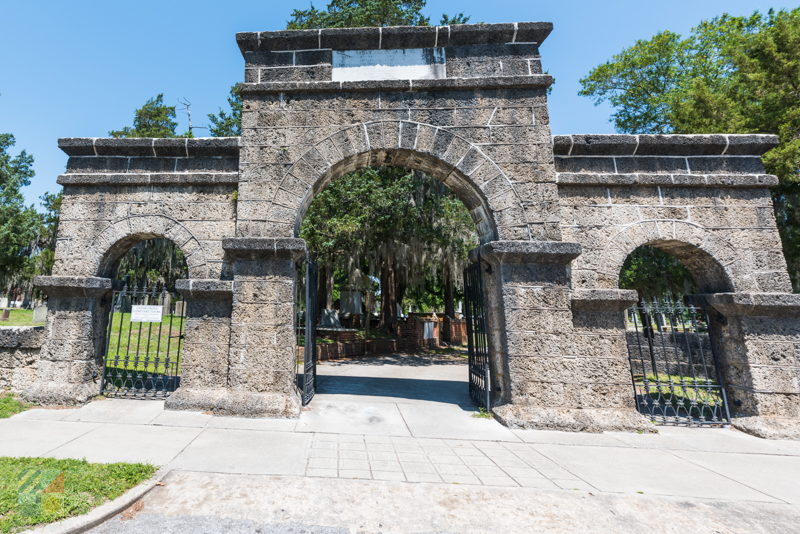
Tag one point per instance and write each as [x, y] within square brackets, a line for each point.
[558, 376]
[69, 369]
[261, 366]
[756, 339]
[204, 362]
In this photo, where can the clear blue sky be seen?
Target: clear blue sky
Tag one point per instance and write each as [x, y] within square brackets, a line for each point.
[80, 68]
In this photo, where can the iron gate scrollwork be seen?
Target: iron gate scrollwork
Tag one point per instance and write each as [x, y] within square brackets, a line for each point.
[477, 337]
[305, 329]
[675, 374]
[144, 342]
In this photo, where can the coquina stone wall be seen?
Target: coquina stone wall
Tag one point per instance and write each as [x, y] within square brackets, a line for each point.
[19, 356]
[556, 218]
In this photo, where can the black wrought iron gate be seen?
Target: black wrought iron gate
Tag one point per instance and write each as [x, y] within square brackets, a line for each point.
[477, 337]
[676, 378]
[144, 342]
[305, 325]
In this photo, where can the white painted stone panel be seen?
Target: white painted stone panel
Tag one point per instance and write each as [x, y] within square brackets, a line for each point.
[399, 64]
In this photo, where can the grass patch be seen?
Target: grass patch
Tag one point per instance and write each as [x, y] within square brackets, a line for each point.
[42, 490]
[151, 339]
[482, 413]
[9, 406]
[20, 317]
[699, 396]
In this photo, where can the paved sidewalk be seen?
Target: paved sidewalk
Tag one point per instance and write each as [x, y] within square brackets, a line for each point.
[402, 430]
[718, 464]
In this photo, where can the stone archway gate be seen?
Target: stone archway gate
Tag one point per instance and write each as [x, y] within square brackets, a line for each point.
[556, 217]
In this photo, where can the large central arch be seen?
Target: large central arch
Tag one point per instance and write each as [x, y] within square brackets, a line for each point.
[484, 188]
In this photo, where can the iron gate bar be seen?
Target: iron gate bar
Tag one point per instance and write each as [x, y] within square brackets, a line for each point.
[133, 374]
[477, 338]
[310, 346]
[684, 384]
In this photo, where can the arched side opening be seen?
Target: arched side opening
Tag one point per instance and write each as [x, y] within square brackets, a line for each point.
[675, 344]
[119, 237]
[143, 320]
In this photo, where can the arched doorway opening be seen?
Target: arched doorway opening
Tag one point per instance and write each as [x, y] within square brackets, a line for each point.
[143, 319]
[388, 246]
[674, 340]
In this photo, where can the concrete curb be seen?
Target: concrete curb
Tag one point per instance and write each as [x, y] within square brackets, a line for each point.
[82, 523]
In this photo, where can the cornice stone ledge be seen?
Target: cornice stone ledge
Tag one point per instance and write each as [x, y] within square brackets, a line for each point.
[551, 252]
[603, 300]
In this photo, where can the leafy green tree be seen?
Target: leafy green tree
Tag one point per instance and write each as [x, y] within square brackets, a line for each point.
[153, 119]
[156, 262]
[398, 226]
[654, 273]
[362, 13]
[731, 74]
[18, 223]
[228, 123]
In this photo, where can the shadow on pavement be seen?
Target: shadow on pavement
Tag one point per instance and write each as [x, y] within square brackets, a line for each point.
[444, 391]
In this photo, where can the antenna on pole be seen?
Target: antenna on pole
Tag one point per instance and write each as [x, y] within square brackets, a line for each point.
[187, 107]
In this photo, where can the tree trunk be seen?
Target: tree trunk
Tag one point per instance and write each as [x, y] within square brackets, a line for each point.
[388, 299]
[449, 294]
[322, 290]
[369, 298]
[449, 302]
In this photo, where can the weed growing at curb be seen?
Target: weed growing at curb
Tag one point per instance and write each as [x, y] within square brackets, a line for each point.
[482, 413]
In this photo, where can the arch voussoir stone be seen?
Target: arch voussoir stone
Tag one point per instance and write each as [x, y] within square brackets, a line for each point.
[119, 236]
[454, 160]
[704, 254]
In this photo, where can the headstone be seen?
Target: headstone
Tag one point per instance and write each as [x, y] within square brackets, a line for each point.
[5, 315]
[166, 303]
[351, 302]
[180, 308]
[428, 332]
[40, 314]
[330, 319]
[4, 302]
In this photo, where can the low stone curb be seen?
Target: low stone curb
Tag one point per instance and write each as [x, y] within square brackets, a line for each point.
[104, 512]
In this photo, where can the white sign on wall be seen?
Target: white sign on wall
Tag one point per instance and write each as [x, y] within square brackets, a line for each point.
[393, 64]
[146, 314]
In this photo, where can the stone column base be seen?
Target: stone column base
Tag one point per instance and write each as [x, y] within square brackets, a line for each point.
[60, 393]
[768, 427]
[230, 402]
[528, 416]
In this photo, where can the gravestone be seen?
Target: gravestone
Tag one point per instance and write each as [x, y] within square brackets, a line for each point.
[166, 303]
[5, 315]
[330, 319]
[351, 302]
[40, 314]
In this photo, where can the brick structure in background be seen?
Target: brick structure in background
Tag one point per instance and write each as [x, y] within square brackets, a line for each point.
[556, 218]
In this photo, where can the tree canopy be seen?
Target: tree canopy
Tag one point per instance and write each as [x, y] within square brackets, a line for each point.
[362, 13]
[228, 123]
[388, 223]
[27, 237]
[731, 75]
[153, 119]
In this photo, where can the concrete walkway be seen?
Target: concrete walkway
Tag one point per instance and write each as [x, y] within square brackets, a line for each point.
[414, 436]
